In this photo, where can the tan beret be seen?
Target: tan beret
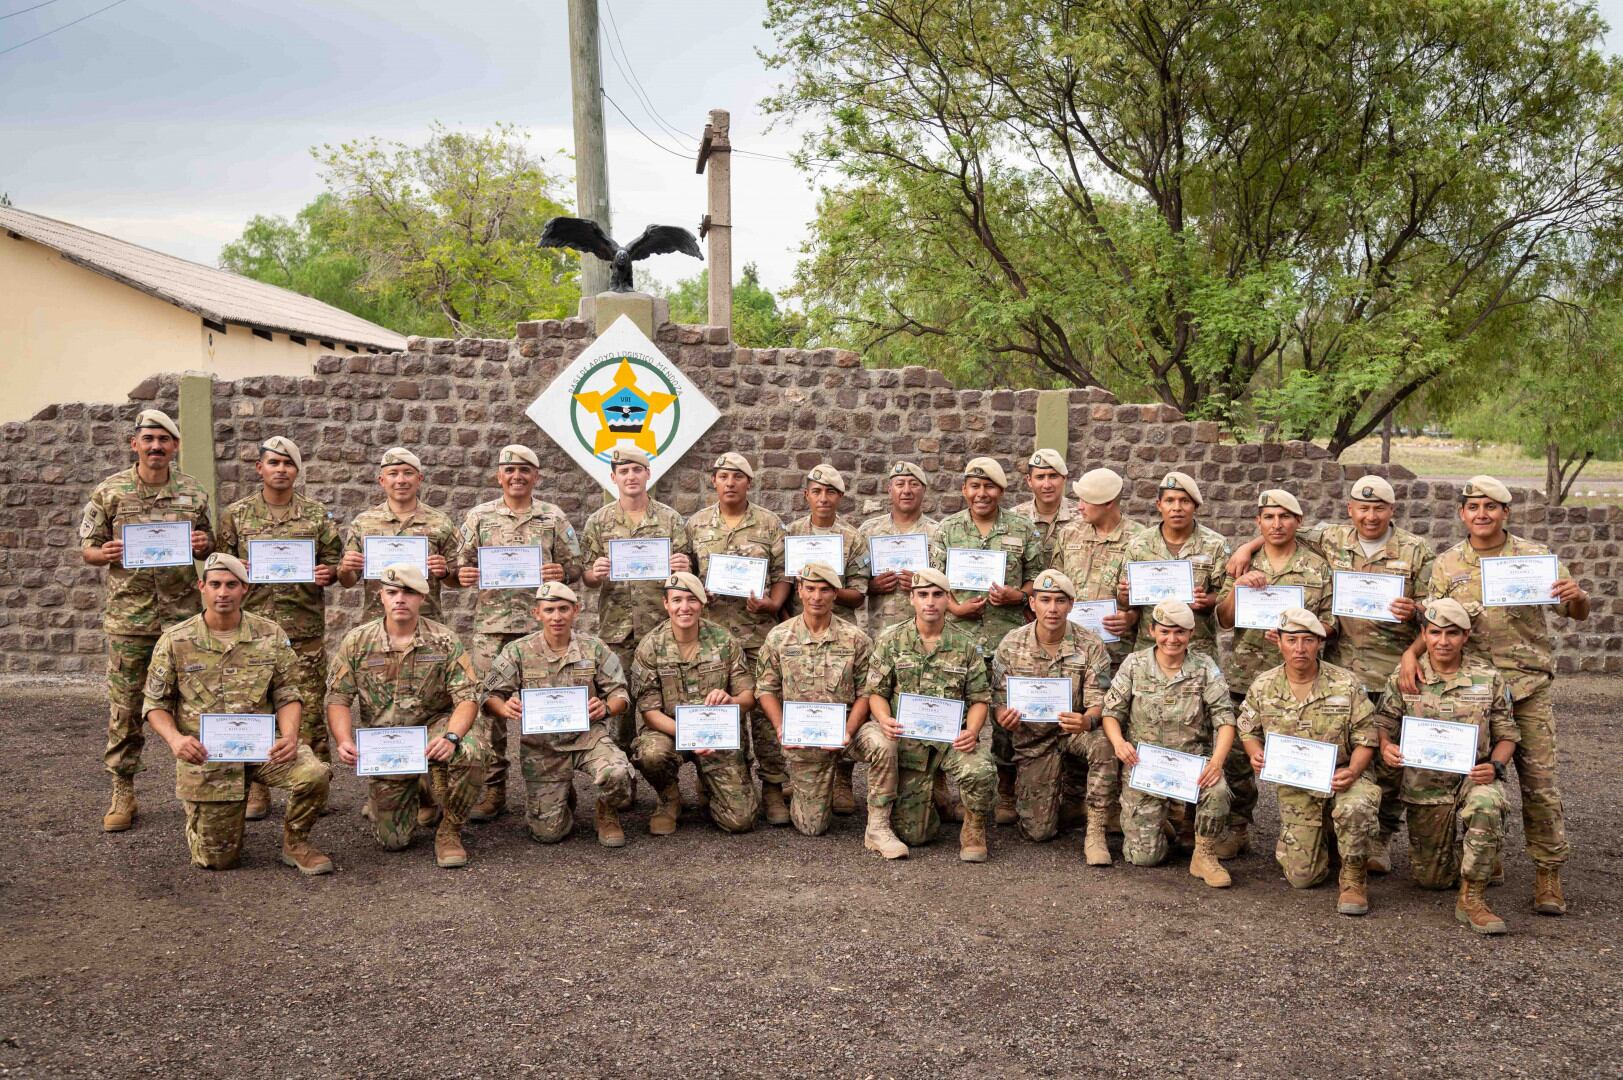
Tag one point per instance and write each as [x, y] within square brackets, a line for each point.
[1281, 498]
[817, 571]
[735, 462]
[828, 476]
[399, 455]
[1372, 489]
[928, 576]
[281, 444]
[686, 582]
[1173, 613]
[556, 590]
[1179, 481]
[1299, 620]
[1054, 581]
[1485, 487]
[907, 468]
[518, 454]
[1447, 612]
[1047, 458]
[156, 418]
[1098, 486]
[627, 455]
[229, 563]
[404, 576]
[986, 468]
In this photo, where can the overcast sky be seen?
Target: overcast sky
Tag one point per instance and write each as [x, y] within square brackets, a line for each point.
[171, 122]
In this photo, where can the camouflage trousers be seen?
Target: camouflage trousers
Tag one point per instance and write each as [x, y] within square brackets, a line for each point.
[913, 816]
[724, 775]
[1144, 841]
[812, 773]
[310, 676]
[214, 829]
[128, 658]
[624, 726]
[1241, 778]
[1544, 821]
[766, 749]
[1044, 755]
[451, 785]
[1303, 850]
[483, 654]
[1439, 855]
[549, 777]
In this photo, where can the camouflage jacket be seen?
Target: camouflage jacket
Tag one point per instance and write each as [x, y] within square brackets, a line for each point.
[795, 665]
[195, 672]
[1336, 710]
[955, 670]
[1251, 651]
[855, 571]
[1516, 640]
[1012, 534]
[528, 664]
[662, 680]
[1475, 694]
[1182, 712]
[759, 535]
[411, 687]
[492, 524]
[424, 521]
[1081, 658]
[1094, 561]
[887, 609]
[141, 603]
[301, 610]
[626, 610]
[1048, 531]
[1371, 648]
[1208, 553]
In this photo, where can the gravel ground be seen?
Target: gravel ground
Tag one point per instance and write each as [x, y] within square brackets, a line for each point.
[766, 954]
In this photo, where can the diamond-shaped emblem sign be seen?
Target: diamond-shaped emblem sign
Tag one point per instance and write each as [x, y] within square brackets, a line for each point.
[622, 389]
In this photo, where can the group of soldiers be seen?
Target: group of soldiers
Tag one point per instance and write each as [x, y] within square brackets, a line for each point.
[181, 646]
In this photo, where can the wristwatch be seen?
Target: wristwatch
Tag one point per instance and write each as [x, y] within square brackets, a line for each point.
[454, 739]
[1498, 769]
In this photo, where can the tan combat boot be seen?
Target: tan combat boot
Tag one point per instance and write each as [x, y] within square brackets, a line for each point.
[669, 811]
[1379, 859]
[773, 805]
[368, 811]
[609, 832]
[1354, 896]
[448, 850]
[844, 802]
[1472, 909]
[1071, 814]
[879, 837]
[121, 814]
[1096, 842]
[1005, 814]
[1204, 865]
[947, 807]
[258, 807]
[1232, 842]
[1547, 898]
[972, 837]
[492, 803]
[428, 813]
[298, 853]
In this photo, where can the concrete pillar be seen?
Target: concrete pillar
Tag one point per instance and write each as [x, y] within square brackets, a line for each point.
[648, 313]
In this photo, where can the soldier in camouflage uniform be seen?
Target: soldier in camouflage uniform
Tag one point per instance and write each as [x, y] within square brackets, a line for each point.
[558, 656]
[401, 513]
[403, 670]
[1172, 697]
[1516, 640]
[1460, 690]
[932, 657]
[229, 661]
[691, 661]
[140, 604]
[278, 512]
[1307, 699]
[1047, 508]
[502, 616]
[734, 525]
[1180, 536]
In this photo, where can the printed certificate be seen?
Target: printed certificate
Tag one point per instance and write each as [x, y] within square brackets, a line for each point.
[1514, 580]
[640, 559]
[1038, 701]
[510, 567]
[814, 723]
[1299, 763]
[976, 570]
[391, 751]
[736, 575]
[1090, 615]
[1259, 609]
[1358, 595]
[246, 737]
[1171, 774]
[282, 562]
[707, 727]
[1149, 583]
[1441, 745]
[555, 710]
[382, 552]
[800, 550]
[931, 719]
[905, 552]
[149, 545]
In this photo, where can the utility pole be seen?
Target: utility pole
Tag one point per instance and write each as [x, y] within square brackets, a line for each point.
[591, 153]
[716, 152]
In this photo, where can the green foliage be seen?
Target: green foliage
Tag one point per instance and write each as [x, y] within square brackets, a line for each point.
[757, 321]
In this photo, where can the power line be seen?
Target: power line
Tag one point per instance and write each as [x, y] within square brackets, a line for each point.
[646, 98]
[652, 141]
[26, 10]
[58, 30]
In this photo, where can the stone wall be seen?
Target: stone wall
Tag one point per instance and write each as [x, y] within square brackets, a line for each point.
[457, 402]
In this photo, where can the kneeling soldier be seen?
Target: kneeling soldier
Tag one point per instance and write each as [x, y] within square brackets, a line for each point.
[228, 661]
[408, 671]
[557, 656]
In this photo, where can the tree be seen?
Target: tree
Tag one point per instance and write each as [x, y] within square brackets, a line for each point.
[757, 321]
[1279, 210]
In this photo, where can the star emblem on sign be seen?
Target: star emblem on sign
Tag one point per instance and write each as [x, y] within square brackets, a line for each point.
[625, 412]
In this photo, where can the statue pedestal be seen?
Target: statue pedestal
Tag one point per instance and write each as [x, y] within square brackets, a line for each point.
[648, 313]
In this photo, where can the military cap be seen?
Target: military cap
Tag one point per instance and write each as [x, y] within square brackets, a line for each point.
[828, 476]
[627, 455]
[1485, 487]
[1179, 481]
[229, 563]
[986, 468]
[518, 454]
[1098, 486]
[556, 590]
[1173, 613]
[907, 468]
[686, 582]
[927, 576]
[817, 571]
[1281, 498]
[281, 444]
[399, 455]
[405, 576]
[735, 462]
[156, 418]
[1298, 620]
[1047, 458]
[1372, 489]
[1054, 581]
[1446, 611]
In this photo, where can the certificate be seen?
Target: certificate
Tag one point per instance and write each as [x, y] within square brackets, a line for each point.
[1441, 745]
[391, 751]
[1299, 763]
[707, 727]
[1514, 580]
[932, 719]
[1365, 596]
[244, 737]
[282, 562]
[149, 545]
[555, 710]
[510, 567]
[814, 723]
[1259, 609]
[906, 552]
[1149, 583]
[975, 569]
[640, 559]
[382, 552]
[1090, 615]
[1171, 774]
[1038, 701]
[736, 575]
[799, 550]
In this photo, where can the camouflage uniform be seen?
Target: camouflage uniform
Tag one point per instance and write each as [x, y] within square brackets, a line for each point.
[424, 521]
[795, 665]
[418, 686]
[1337, 711]
[1208, 553]
[195, 671]
[300, 610]
[887, 609]
[661, 679]
[1182, 712]
[854, 573]
[955, 670]
[1040, 749]
[139, 604]
[1048, 531]
[1433, 801]
[549, 761]
[1517, 642]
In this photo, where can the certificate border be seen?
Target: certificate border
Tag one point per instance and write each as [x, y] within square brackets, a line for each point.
[1328, 789]
[1302, 589]
[395, 727]
[738, 715]
[1483, 572]
[897, 536]
[946, 566]
[766, 578]
[638, 540]
[1101, 632]
[1128, 571]
[249, 550]
[122, 537]
[585, 690]
[1007, 679]
[428, 547]
[202, 728]
[812, 536]
[1338, 613]
[1476, 743]
[963, 711]
[480, 585]
[829, 704]
[1138, 747]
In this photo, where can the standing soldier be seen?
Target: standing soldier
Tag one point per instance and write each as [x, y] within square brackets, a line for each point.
[278, 512]
[402, 670]
[734, 525]
[558, 656]
[1180, 536]
[400, 474]
[229, 661]
[501, 616]
[140, 604]
[1047, 508]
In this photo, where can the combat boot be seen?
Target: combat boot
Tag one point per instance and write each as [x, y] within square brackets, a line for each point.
[947, 807]
[1547, 898]
[609, 832]
[972, 837]
[368, 811]
[1096, 842]
[1204, 865]
[121, 814]
[258, 807]
[1354, 896]
[1006, 813]
[428, 813]
[669, 811]
[299, 853]
[492, 803]
[844, 802]
[1472, 909]
[1071, 813]
[773, 805]
[448, 850]
[1232, 842]
[879, 837]
[1379, 859]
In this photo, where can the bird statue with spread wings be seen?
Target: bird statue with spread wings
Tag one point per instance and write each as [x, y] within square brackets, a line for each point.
[585, 235]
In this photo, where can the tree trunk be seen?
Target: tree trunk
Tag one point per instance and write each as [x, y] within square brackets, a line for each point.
[1386, 440]
[1552, 473]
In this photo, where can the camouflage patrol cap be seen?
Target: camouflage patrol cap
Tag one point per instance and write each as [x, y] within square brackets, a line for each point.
[1054, 581]
[1281, 498]
[627, 455]
[399, 455]
[281, 444]
[556, 590]
[156, 418]
[828, 476]
[1298, 620]
[1180, 481]
[1372, 489]
[404, 576]
[817, 571]
[1485, 487]
[1098, 486]
[985, 468]
[229, 563]
[907, 468]
[1446, 611]
[927, 577]
[735, 462]
[1173, 613]
[683, 581]
[1048, 458]
[518, 454]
